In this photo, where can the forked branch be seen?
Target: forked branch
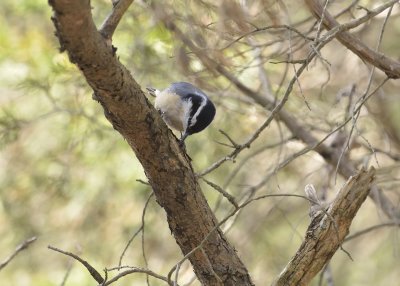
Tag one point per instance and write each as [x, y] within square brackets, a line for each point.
[389, 66]
[109, 25]
[327, 231]
[168, 170]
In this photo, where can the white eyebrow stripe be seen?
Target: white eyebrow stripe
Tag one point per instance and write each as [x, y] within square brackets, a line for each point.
[203, 103]
[203, 96]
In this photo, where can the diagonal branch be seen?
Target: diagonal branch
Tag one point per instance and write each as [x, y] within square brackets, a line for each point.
[167, 167]
[327, 232]
[331, 155]
[109, 25]
[389, 66]
[96, 275]
[18, 249]
[133, 270]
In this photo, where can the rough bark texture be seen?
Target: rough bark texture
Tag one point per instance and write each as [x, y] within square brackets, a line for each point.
[327, 231]
[168, 169]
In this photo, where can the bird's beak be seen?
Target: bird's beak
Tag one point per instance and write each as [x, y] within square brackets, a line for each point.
[152, 91]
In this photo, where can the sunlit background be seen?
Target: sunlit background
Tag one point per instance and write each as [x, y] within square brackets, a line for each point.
[71, 180]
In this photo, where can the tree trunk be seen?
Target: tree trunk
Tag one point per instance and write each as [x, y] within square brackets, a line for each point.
[166, 166]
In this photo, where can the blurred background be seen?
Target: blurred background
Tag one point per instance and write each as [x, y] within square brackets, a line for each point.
[71, 180]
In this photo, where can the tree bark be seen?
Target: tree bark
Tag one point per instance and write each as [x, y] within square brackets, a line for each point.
[327, 232]
[166, 166]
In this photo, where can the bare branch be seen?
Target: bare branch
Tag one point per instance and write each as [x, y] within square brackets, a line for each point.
[234, 144]
[104, 281]
[369, 229]
[109, 25]
[68, 272]
[228, 196]
[137, 232]
[96, 275]
[267, 28]
[24, 245]
[331, 155]
[143, 228]
[256, 152]
[389, 66]
[173, 181]
[133, 270]
[322, 237]
[222, 222]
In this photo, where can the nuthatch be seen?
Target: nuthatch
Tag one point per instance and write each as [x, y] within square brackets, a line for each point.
[184, 107]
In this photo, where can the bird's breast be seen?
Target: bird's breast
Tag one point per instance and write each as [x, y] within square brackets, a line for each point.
[172, 110]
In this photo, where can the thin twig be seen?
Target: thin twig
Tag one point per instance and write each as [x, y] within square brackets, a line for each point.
[354, 117]
[223, 221]
[143, 182]
[96, 275]
[327, 274]
[321, 20]
[134, 270]
[320, 242]
[136, 233]
[24, 245]
[234, 144]
[220, 190]
[143, 227]
[250, 156]
[369, 229]
[257, 133]
[109, 25]
[324, 40]
[357, 114]
[389, 66]
[68, 272]
[277, 27]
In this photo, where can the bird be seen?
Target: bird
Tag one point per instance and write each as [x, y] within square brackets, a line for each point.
[184, 108]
